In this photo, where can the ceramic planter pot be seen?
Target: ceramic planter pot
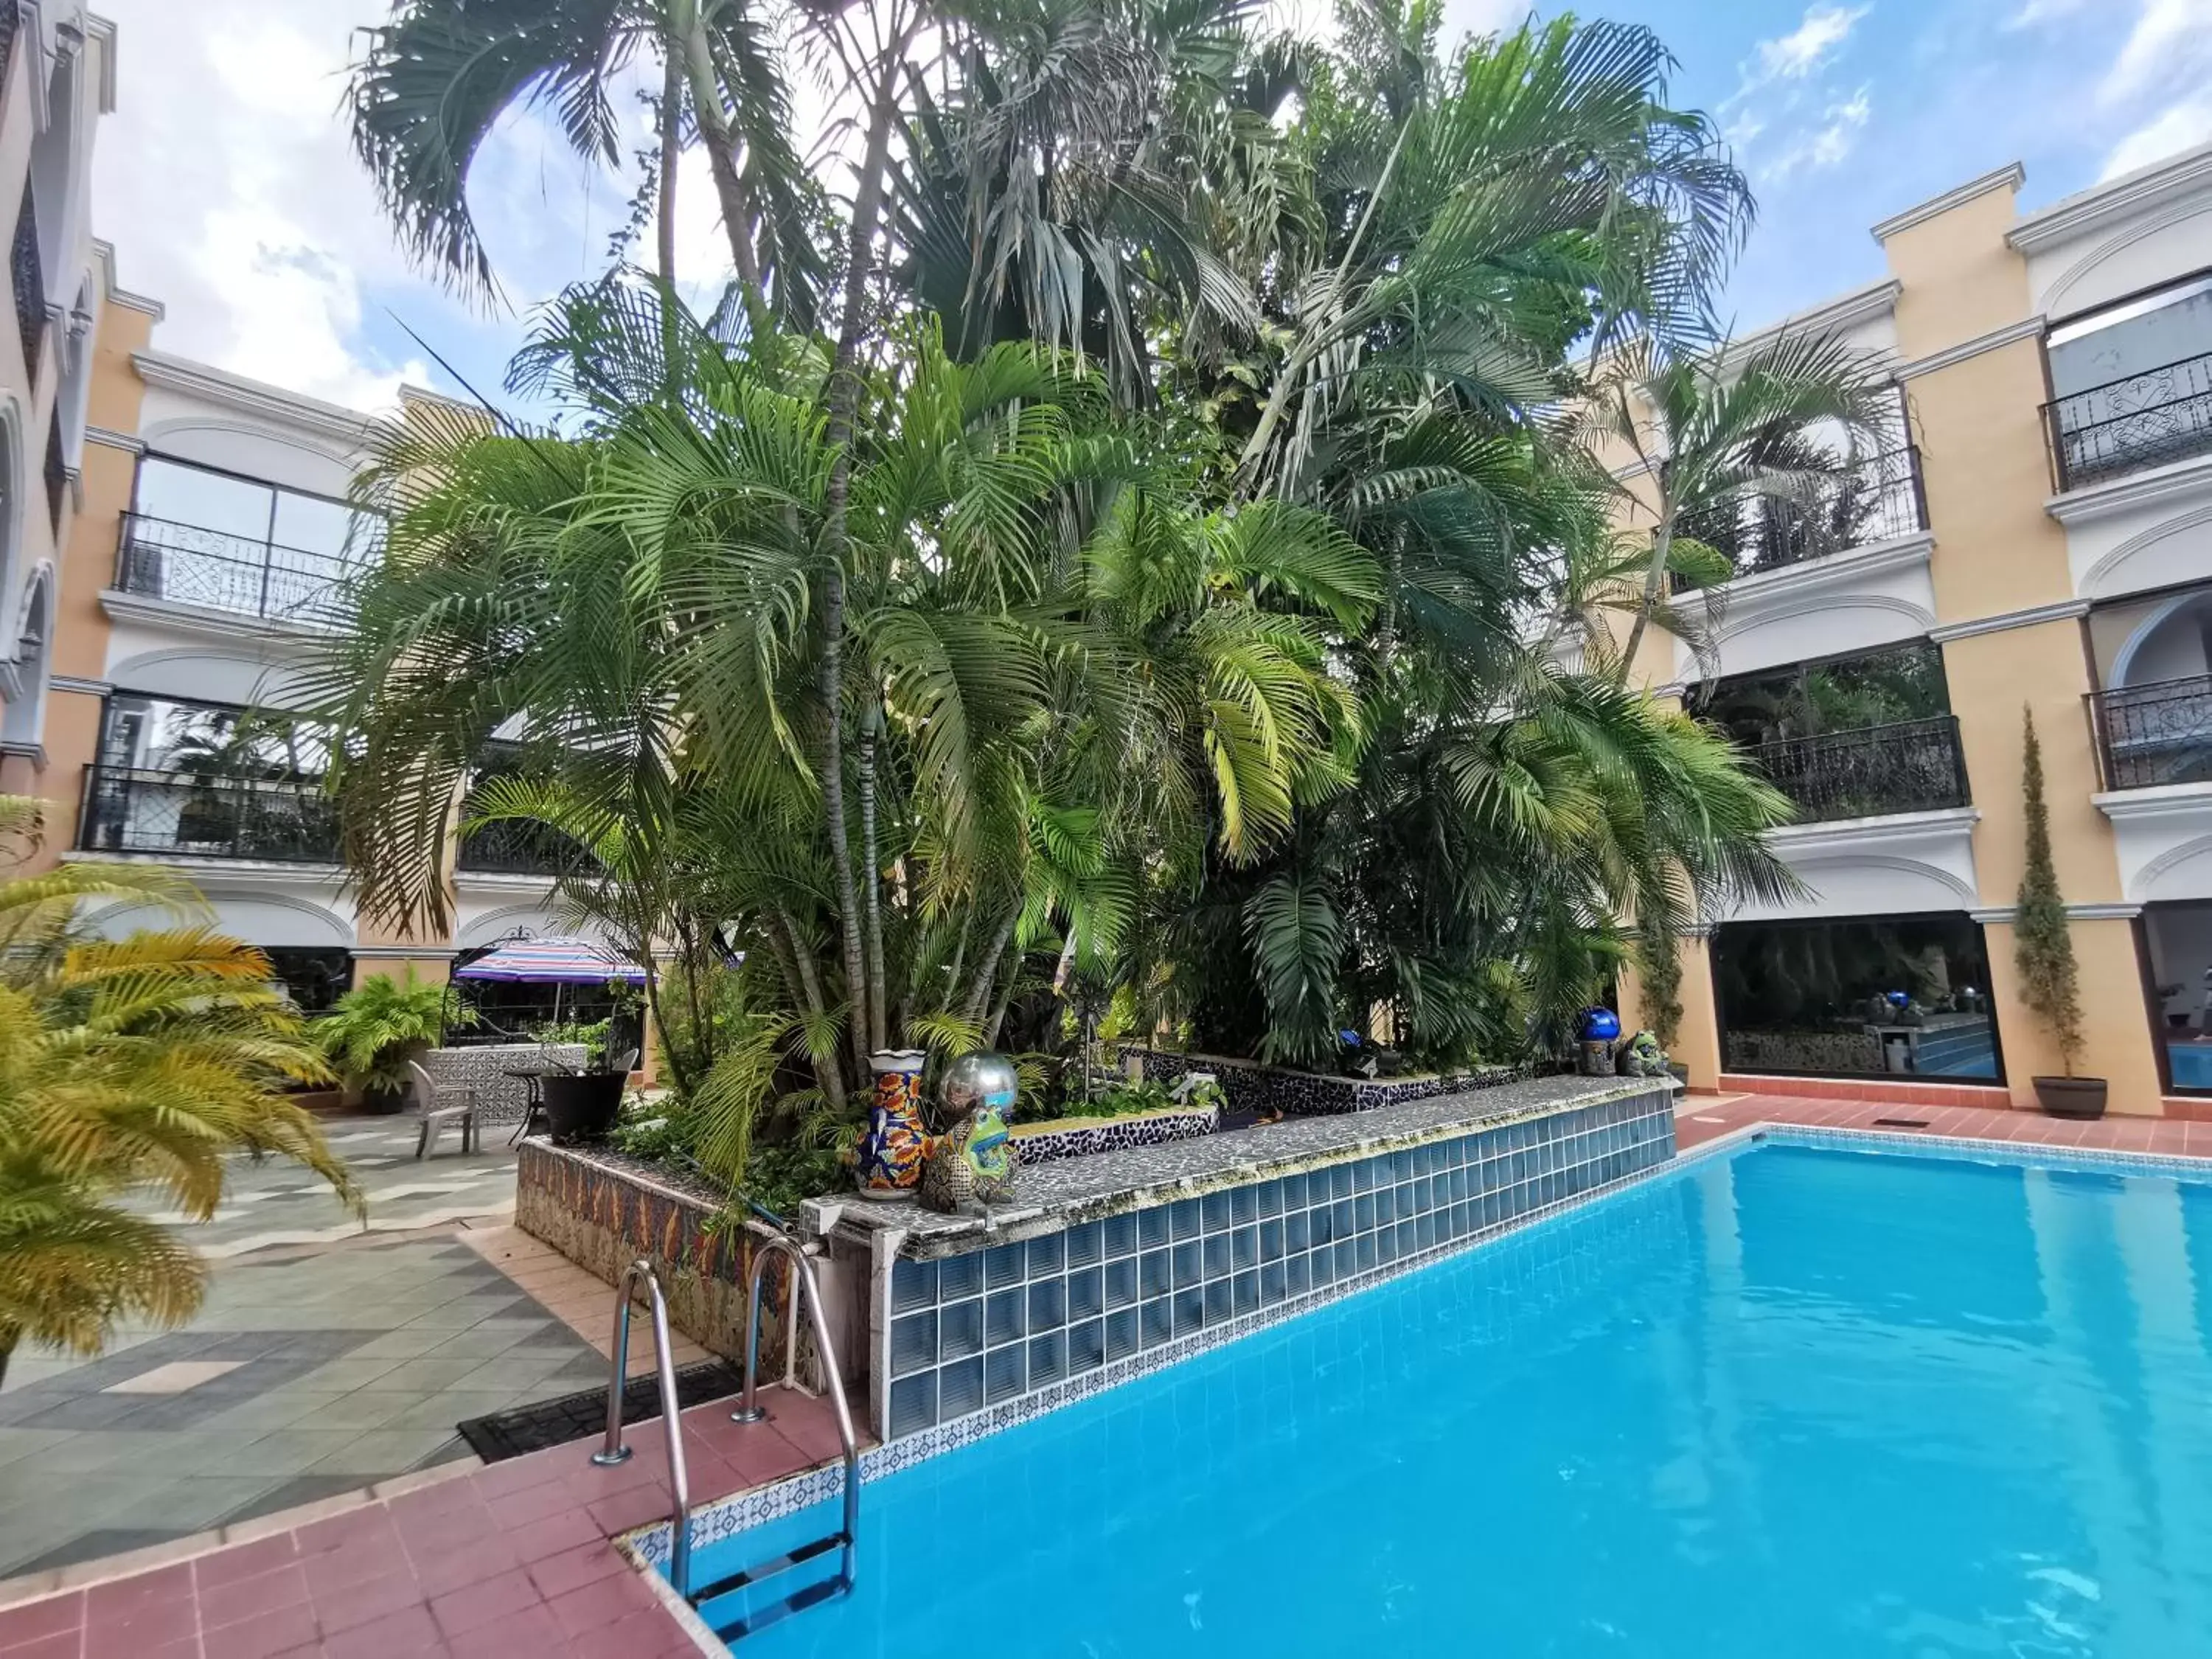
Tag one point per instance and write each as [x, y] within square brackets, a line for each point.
[889, 1155]
[2071, 1096]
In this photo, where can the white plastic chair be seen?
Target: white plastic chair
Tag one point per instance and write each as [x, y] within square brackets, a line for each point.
[435, 1103]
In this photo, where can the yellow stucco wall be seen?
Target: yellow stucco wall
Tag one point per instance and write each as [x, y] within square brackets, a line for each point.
[2115, 1019]
[1696, 1040]
[1961, 279]
[1988, 476]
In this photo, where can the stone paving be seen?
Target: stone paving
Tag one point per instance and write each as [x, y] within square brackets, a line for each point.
[328, 1357]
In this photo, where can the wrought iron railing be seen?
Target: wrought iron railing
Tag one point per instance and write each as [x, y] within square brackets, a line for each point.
[517, 847]
[1879, 499]
[161, 559]
[2148, 735]
[2139, 421]
[27, 272]
[207, 814]
[1914, 766]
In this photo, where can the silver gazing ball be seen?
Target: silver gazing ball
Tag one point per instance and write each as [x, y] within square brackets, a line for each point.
[974, 1079]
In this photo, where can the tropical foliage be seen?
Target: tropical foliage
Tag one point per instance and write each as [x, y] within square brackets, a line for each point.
[373, 1031]
[1156, 582]
[129, 1068]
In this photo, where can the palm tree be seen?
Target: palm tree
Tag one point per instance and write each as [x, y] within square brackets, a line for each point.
[127, 1066]
[434, 82]
[1054, 658]
[1708, 433]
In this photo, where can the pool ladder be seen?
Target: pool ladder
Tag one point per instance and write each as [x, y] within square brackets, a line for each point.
[845, 1541]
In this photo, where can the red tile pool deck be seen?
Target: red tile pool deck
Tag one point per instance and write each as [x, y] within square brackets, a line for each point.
[515, 1558]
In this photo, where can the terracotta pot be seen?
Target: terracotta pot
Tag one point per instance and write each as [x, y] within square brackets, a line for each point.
[2071, 1096]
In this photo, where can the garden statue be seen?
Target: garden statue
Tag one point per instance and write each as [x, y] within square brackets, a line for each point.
[888, 1156]
[1597, 1031]
[1642, 1057]
[970, 1165]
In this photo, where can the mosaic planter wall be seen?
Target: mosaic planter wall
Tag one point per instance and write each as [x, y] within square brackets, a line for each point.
[1267, 1090]
[499, 1098]
[603, 1212]
[1071, 1292]
[1047, 1142]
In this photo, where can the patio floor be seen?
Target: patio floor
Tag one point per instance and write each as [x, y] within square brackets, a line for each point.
[516, 1558]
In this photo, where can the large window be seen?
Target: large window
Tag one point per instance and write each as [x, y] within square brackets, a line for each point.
[215, 539]
[2179, 940]
[1844, 693]
[1878, 996]
[314, 977]
[209, 780]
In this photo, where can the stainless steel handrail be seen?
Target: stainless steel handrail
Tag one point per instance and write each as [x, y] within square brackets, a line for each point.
[614, 1451]
[751, 1411]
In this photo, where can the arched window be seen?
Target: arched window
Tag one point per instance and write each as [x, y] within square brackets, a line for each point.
[22, 721]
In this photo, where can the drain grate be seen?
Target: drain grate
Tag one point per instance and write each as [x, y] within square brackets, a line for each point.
[1901, 1123]
[573, 1417]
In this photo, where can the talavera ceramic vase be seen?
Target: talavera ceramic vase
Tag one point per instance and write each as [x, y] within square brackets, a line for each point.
[891, 1148]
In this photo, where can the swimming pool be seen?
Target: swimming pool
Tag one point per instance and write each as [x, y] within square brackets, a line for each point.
[1793, 1401]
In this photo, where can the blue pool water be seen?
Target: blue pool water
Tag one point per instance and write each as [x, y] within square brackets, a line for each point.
[1791, 1404]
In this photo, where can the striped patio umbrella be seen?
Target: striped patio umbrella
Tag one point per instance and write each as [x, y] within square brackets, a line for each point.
[552, 961]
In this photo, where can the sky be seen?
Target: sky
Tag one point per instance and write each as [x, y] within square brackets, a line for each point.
[225, 181]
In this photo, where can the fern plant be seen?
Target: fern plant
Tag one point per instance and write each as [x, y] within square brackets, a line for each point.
[2043, 942]
[127, 1066]
[375, 1029]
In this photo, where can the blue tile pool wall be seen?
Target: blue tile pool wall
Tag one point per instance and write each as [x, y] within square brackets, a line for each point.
[973, 1331]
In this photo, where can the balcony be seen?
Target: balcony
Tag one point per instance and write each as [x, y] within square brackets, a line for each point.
[516, 847]
[205, 815]
[1914, 766]
[2152, 735]
[1878, 500]
[161, 559]
[2127, 425]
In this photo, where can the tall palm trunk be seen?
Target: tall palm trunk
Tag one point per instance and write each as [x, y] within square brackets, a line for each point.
[1655, 579]
[692, 47]
[842, 405]
[672, 130]
[871, 722]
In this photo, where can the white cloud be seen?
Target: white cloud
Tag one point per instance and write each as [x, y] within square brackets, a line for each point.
[2168, 44]
[2178, 128]
[224, 180]
[1794, 56]
[2036, 13]
[1829, 143]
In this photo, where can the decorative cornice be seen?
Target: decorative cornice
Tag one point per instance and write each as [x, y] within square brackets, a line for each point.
[2117, 912]
[269, 402]
[2028, 328]
[1853, 833]
[1875, 559]
[2174, 481]
[102, 30]
[83, 688]
[405, 953]
[2168, 800]
[2010, 177]
[1845, 312]
[217, 876]
[122, 440]
[33, 752]
[2131, 194]
[103, 254]
[2004, 621]
[503, 881]
[203, 620]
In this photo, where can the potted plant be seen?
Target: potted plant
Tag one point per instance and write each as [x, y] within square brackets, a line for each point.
[2043, 951]
[375, 1029]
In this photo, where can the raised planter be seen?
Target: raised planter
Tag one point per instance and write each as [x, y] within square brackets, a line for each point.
[1080, 1137]
[1249, 1086]
[602, 1211]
